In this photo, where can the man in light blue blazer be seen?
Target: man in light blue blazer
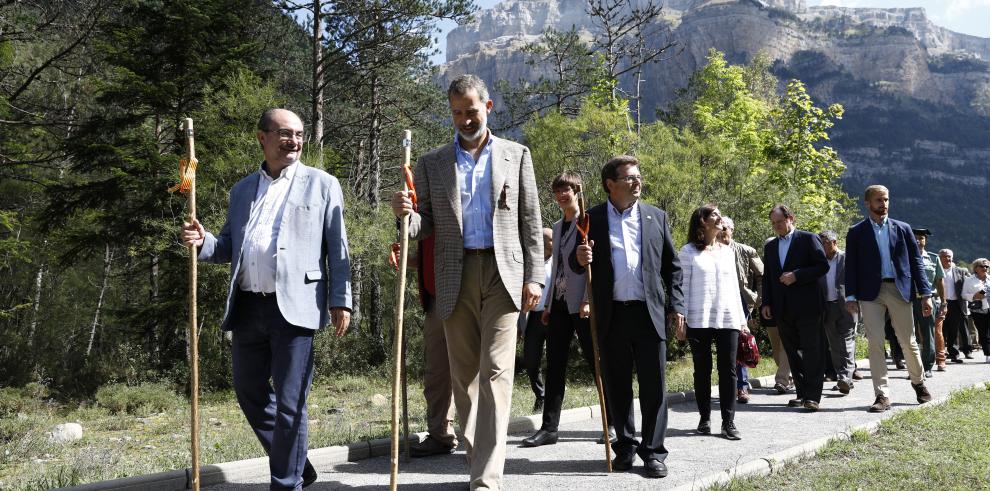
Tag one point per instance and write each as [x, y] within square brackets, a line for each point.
[290, 275]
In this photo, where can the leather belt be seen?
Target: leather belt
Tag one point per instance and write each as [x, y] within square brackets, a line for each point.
[629, 303]
[258, 294]
[479, 252]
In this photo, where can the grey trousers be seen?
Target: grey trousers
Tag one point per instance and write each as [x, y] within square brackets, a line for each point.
[840, 330]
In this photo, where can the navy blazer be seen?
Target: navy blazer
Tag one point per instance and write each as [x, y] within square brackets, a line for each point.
[658, 258]
[863, 262]
[806, 259]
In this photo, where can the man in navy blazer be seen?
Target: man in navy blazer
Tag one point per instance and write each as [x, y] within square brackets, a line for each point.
[884, 273]
[637, 285]
[290, 275]
[794, 295]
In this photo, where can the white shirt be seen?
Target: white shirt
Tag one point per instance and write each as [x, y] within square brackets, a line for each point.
[625, 240]
[833, 266]
[950, 283]
[548, 267]
[258, 262]
[711, 288]
[974, 284]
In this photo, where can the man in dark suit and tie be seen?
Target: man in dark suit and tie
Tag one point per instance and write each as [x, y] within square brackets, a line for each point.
[884, 272]
[794, 295]
[637, 283]
[290, 275]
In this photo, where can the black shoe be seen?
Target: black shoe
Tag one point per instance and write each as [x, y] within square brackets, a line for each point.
[795, 403]
[309, 474]
[900, 365]
[541, 438]
[729, 430]
[538, 405]
[429, 446]
[844, 387]
[857, 375]
[705, 427]
[655, 468]
[956, 360]
[922, 392]
[623, 462]
[611, 436]
[811, 405]
[780, 388]
[968, 356]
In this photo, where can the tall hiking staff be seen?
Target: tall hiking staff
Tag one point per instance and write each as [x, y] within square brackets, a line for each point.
[398, 375]
[187, 186]
[583, 224]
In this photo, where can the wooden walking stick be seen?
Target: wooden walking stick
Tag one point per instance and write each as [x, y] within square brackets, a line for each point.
[187, 186]
[400, 296]
[583, 224]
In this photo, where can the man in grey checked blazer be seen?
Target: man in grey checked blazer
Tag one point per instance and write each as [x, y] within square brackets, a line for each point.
[478, 196]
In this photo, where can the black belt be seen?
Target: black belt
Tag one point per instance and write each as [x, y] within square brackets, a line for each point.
[479, 252]
[258, 294]
[629, 303]
[887, 280]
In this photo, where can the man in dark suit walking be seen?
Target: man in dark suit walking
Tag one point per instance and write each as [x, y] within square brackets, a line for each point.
[956, 310]
[637, 283]
[884, 272]
[794, 294]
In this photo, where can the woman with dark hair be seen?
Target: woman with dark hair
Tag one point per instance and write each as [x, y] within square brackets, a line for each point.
[714, 315]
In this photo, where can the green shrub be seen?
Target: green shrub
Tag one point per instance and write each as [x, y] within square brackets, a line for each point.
[25, 399]
[139, 400]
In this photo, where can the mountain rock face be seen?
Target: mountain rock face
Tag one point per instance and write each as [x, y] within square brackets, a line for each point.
[917, 95]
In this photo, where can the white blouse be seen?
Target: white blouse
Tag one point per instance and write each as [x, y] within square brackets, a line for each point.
[711, 288]
[974, 284]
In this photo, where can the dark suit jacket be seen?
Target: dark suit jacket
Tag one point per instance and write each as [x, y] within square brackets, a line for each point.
[661, 268]
[806, 259]
[863, 262]
[960, 275]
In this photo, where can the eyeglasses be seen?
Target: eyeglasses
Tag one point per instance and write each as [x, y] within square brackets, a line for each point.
[630, 179]
[287, 134]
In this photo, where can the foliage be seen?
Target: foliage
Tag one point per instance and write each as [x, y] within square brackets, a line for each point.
[141, 400]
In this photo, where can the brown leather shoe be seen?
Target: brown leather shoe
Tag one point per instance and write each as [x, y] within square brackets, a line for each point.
[857, 375]
[811, 405]
[429, 446]
[742, 396]
[922, 392]
[843, 386]
[795, 403]
[882, 404]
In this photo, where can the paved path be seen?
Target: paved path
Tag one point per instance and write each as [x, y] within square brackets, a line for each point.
[577, 463]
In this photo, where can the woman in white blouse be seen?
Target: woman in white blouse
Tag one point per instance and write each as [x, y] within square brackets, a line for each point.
[714, 315]
[975, 289]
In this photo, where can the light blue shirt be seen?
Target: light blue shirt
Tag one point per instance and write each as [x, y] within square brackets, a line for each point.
[882, 233]
[474, 181]
[784, 245]
[625, 241]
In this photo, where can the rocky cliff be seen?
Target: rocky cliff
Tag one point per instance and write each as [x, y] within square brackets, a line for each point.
[917, 95]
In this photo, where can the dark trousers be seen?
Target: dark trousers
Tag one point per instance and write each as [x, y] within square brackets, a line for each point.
[924, 330]
[631, 341]
[802, 339]
[954, 330]
[273, 369]
[896, 353]
[982, 322]
[726, 344]
[533, 341]
[560, 332]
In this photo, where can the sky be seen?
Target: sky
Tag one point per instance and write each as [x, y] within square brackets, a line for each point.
[965, 16]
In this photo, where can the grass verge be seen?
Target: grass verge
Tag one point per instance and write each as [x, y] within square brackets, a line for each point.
[933, 447]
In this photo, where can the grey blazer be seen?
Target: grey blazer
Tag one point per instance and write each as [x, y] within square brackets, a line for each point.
[576, 282]
[960, 274]
[313, 270]
[516, 219]
[840, 276]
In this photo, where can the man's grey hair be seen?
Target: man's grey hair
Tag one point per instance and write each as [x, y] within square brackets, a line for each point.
[829, 236]
[728, 223]
[461, 85]
[947, 252]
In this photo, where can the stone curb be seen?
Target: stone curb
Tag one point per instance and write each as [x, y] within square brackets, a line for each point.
[774, 462]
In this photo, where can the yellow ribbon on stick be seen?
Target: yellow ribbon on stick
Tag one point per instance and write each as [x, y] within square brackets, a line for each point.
[187, 174]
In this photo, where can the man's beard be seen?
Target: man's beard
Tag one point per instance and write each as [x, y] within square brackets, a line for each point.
[482, 129]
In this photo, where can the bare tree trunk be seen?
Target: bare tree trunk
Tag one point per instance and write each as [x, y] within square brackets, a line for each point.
[107, 262]
[375, 143]
[375, 323]
[36, 304]
[356, 277]
[318, 78]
